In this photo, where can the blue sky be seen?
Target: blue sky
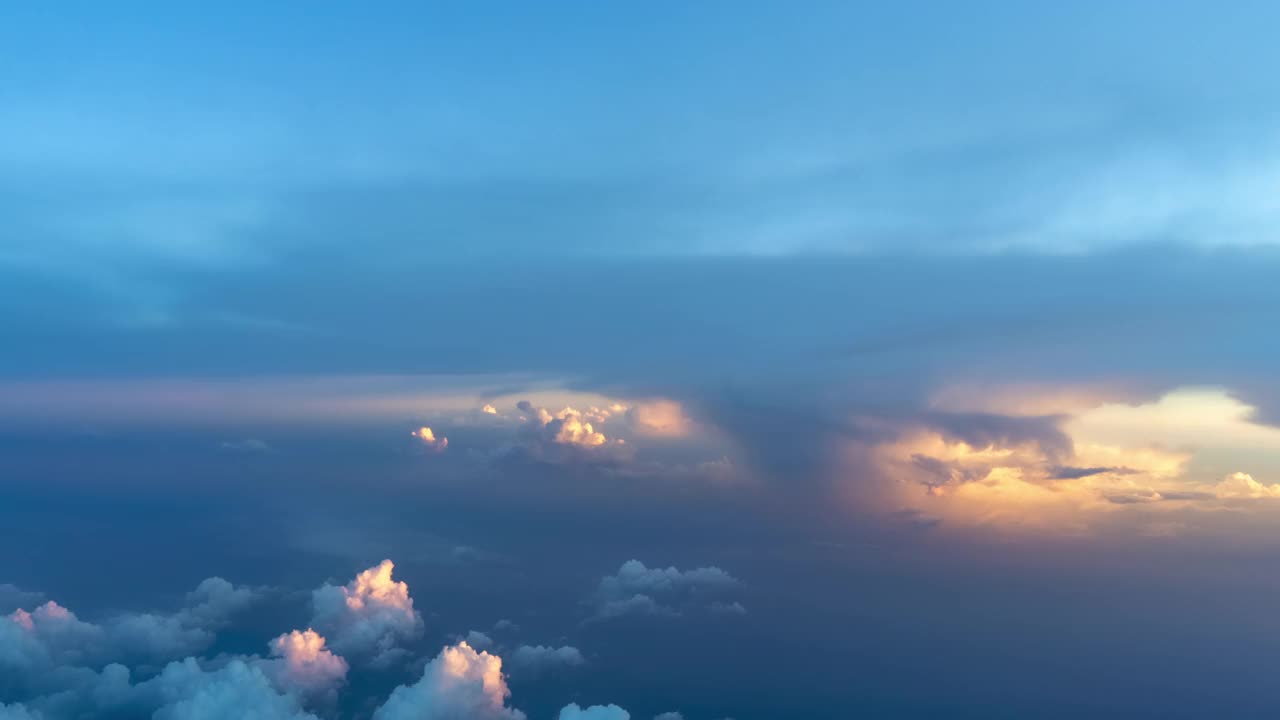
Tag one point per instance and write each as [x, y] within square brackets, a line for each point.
[741, 360]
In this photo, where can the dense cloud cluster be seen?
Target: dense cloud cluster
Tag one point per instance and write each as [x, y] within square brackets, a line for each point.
[567, 433]
[458, 683]
[369, 616]
[56, 666]
[300, 662]
[1086, 464]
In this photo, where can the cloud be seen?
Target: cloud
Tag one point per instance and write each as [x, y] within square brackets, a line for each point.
[1242, 485]
[537, 658]
[13, 597]
[459, 684]
[46, 636]
[429, 439]
[236, 690]
[215, 601]
[659, 418]
[595, 712]
[156, 637]
[51, 636]
[567, 435]
[17, 711]
[489, 409]
[479, 640]
[303, 664]
[369, 616]
[48, 656]
[568, 426]
[639, 590]
[669, 716]
[1102, 464]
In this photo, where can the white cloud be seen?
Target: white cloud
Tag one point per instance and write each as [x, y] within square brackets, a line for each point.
[595, 712]
[48, 635]
[669, 716]
[369, 616]
[536, 658]
[156, 637]
[237, 690]
[636, 589]
[567, 427]
[1242, 485]
[459, 684]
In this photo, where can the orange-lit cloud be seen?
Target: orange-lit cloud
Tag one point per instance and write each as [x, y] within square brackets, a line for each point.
[1242, 485]
[302, 663]
[659, 418]
[429, 439]
[568, 426]
[371, 614]
[459, 683]
[1125, 463]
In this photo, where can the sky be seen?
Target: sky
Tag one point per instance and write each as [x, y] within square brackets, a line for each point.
[609, 361]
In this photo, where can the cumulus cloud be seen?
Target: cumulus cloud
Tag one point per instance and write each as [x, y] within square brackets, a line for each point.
[459, 684]
[669, 716]
[1100, 465]
[595, 712]
[237, 690]
[48, 635]
[215, 600]
[568, 426]
[639, 590]
[49, 650]
[48, 658]
[489, 409]
[160, 636]
[659, 418]
[428, 438]
[567, 435]
[479, 640]
[13, 597]
[301, 663]
[1242, 485]
[537, 658]
[369, 616]
[156, 637]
